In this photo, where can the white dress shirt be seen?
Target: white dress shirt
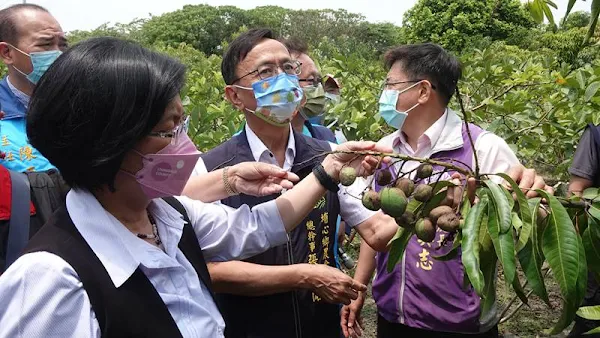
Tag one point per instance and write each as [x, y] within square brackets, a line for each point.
[494, 155]
[351, 209]
[42, 296]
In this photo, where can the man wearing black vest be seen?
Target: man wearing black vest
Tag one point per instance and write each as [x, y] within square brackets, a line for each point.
[292, 290]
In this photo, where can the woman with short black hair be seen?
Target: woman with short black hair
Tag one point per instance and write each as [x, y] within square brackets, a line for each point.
[123, 257]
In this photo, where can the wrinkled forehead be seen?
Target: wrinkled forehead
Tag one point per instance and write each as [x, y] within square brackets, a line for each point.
[267, 51]
[36, 24]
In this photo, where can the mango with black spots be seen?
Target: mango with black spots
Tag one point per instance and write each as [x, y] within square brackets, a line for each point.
[423, 192]
[347, 176]
[371, 200]
[425, 230]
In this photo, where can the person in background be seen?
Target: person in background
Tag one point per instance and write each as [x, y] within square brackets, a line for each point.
[585, 174]
[30, 40]
[297, 284]
[31, 189]
[124, 257]
[424, 297]
[314, 93]
[319, 94]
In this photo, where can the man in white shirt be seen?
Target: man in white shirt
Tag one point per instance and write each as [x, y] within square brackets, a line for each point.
[301, 299]
[426, 299]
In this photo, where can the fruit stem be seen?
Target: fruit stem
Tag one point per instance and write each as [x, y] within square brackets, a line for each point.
[463, 171]
[466, 118]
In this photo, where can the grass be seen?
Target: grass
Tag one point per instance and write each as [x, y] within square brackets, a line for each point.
[529, 321]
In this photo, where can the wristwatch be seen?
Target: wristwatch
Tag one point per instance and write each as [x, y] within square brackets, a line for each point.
[325, 179]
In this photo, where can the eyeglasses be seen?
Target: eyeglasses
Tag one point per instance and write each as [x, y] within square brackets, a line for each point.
[270, 69]
[387, 84]
[314, 81]
[175, 134]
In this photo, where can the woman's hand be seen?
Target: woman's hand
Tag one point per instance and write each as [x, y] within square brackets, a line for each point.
[260, 179]
[364, 165]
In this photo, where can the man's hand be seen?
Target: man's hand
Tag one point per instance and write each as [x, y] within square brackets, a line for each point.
[528, 180]
[331, 284]
[351, 319]
[364, 165]
[260, 179]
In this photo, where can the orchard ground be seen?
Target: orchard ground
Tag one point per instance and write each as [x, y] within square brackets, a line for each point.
[527, 322]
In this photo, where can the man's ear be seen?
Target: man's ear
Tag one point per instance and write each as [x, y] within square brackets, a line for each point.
[425, 91]
[6, 53]
[231, 94]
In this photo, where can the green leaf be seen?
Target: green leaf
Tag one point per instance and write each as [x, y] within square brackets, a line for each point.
[594, 212]
[561, 248]
[548, 12]
[524, 211]
[569, 8]
[537, 13]
[503, 244]
[591, 90]
[470, 245]
[531, 260]
[489, 261]
[397, 247]
[595, 13]
[589, 312]
[590, 193]
[502, 205]
[596, 330]
[519, 291]
[591, 243]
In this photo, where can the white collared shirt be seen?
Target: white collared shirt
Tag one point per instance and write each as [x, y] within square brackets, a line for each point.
[493, 153]
[351, 209]
[42, 296]
[22, 97]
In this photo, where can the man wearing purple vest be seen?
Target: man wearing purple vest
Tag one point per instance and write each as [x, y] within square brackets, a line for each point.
[424, 297]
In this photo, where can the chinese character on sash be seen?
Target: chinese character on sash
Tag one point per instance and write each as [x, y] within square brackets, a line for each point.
[26, 153]
[441, 240]
[325, 230]
[311, 236]
[325, 217]
[424, 263]
[311, 246]
[312, 258]
[421, 243]
[325, 256]
[315, 298]
[9, 156]
[310, 226]
[5, 141]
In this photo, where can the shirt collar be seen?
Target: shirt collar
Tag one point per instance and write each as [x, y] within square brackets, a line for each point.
[117, 248]
[22, 97]
[441, 135]
[258, 148]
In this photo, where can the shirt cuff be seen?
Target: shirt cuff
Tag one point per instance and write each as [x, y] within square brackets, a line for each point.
[271, 223]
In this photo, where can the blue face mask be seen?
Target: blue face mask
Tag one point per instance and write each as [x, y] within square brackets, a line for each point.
[277, 98]
[387, 107]
[40, 61]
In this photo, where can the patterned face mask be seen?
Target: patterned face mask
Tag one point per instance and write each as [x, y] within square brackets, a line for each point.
[316, 102]
[277, 98]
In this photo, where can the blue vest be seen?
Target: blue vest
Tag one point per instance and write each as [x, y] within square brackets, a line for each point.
[20, 155]
[291, 314]
[319, 132]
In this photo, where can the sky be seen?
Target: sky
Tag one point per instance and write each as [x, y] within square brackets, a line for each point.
[89, 14]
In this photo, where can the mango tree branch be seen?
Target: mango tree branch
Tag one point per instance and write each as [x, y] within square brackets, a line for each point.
[450, 166]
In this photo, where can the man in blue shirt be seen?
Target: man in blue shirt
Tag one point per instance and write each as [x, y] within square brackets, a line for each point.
[30, 40]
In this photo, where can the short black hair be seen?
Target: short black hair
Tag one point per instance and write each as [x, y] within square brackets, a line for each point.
[295, 45]
[238, 50]
[8, 25]
[428, 61]
[95, 102]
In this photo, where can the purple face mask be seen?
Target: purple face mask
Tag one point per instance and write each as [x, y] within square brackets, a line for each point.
[165, 173]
